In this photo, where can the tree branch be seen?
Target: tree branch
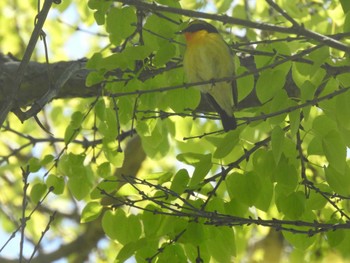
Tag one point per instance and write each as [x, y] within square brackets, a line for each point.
[17, 80]
[236, 21]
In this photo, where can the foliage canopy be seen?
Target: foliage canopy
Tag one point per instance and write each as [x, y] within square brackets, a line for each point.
[128, 161]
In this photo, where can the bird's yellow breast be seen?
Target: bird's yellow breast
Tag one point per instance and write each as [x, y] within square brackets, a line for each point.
[207, 57]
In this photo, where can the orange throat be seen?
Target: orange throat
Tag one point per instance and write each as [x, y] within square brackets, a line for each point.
[195, 37]
[188, 36]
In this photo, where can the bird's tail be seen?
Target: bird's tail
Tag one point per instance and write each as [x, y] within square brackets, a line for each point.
[228, 122]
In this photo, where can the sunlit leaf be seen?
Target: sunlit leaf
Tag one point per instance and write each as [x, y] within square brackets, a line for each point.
[277, 139]
[180, 181]
[120, 23]
[57, 182]
[90, 212]
[202, 168]
[120, 227]
[37, 192]
[335, 150]
[338, 181]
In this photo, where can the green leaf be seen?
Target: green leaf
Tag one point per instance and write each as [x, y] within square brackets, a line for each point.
[173, 253]
[100, 109]
[70, 134]
[159, 27]
[202, 168]
[227, 144]
[180, 181]
[316, 201]
[91, 211]
[71, 164]
[180, 99]
[279, 102]
[236, 208]
[80, 185]
[113, 222]
[136, 53]
[221, 243]
[318, 57]
[157, 143]
[347, 17]
[307, 90]
[110, 151]
[104, 170]
[338, 181]
[120, 23]
[95, 61]
[343, 246]
[94, 77]
[102, 7]
[277, 142]
[292, 205]
[263, 201]
[343, 110]
[261, 61]
[315, 146]
[80, 177]
[37, 192]
[76, 119]
[164, 54]
[216, 204]
[108, 126]
[294, 118]
[244, 187]
[301, 80]
[57, 182]
[334, 238]
[223, 5]
[129, 249]
[194, 234]
[119, 227]
[265, 88]
[346, 8]
[301, 241]
[73, 127]
[264, 163]
[151, 221]
[239, 11]
[34, 165]
[126, 59]
[286, 176]
[47, 159]
[190, 157]
[323, 124]
[109, 185]
[245, 84]
[99, 17]
[335, 150]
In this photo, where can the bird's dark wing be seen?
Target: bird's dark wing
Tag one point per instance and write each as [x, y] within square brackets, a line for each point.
[228, 122]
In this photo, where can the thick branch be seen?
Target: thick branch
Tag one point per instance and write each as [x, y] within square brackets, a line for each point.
[35, 82]
[16, 81]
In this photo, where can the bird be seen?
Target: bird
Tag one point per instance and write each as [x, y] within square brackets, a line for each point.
[208, 57]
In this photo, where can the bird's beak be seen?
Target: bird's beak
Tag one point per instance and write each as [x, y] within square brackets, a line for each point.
[183, 27]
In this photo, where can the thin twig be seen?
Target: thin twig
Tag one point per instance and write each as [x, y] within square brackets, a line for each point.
[236, 21]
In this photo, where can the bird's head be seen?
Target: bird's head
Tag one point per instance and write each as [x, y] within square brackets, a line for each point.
[198, 26]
